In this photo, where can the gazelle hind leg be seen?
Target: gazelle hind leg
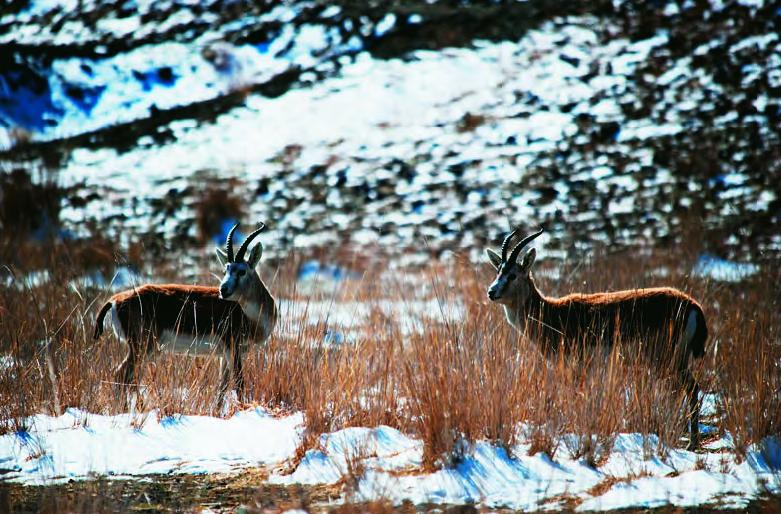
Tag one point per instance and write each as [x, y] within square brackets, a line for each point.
[693, 394]
[691, 387]
[125, 376]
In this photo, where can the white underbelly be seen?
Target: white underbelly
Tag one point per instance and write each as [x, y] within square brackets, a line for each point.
[190, 344]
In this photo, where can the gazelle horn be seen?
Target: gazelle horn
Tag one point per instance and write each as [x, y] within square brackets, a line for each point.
[245, 244]
[506, 243]
[526, 240]
[229, 243]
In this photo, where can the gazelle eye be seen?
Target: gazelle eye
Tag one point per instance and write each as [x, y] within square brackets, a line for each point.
[241, 273]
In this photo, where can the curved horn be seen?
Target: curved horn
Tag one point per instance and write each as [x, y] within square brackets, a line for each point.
[526, 240]
[245, 244]
[506, 243]
[229, 243]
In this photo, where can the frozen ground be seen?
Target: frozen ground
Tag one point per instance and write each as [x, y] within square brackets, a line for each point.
[78, 445]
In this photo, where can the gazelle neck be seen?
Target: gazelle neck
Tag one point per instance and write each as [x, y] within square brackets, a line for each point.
[521, 305]
[259, 306]
[256, 300]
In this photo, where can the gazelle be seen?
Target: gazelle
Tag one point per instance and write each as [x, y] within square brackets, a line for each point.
[668, 324]
[197, 319]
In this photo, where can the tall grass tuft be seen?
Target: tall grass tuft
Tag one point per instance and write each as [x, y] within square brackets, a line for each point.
[747, 363]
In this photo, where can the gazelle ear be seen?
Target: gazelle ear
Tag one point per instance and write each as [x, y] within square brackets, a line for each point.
[254, 255]
[494, 258]
[528, 259]
[221, 256]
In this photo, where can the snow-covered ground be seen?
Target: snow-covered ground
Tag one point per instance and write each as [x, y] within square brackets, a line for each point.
[406, 110]
[428, 145]
[88, 93]
[78, 445]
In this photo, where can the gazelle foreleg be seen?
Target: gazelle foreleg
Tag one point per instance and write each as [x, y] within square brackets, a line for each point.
[225, 372]
[230, 368]
[238, 372]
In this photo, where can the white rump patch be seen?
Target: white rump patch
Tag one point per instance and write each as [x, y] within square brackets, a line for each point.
[115, 324]
[691, 327]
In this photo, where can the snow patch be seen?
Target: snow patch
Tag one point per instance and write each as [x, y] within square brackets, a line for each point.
[385, 463]
[78, 444]
[710, 266]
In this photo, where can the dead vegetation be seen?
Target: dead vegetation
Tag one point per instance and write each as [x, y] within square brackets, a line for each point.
[448, 379]
[175, 493]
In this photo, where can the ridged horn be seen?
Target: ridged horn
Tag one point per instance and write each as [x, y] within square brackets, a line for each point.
[245, 244]
[526, 240]
[506, 243]
[229, 243]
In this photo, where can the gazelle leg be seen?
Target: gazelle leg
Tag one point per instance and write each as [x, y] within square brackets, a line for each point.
[693, 393]
[125, 374]
[238, 373]
[225, 373]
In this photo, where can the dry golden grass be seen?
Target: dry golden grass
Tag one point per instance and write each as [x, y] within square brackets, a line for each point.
[449, 380]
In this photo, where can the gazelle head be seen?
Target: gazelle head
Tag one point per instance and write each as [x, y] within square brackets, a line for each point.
[513, 278]
[240, 274]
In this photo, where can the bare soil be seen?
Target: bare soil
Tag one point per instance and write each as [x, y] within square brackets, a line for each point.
[247, 492]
